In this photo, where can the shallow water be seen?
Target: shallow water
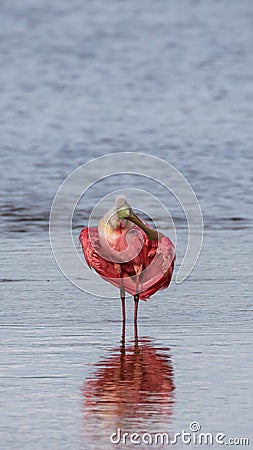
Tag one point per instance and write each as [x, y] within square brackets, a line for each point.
[83, 80]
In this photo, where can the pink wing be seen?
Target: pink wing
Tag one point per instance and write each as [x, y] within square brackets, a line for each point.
[156, 259]
[158, 262]
[90, 244]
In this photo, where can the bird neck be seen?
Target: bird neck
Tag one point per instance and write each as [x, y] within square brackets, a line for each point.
[112, 230]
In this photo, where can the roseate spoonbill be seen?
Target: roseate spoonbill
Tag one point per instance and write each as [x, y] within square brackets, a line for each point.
[128, 253]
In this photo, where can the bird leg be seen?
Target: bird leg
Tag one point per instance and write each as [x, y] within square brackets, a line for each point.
[136, 337]
[136, 304]
[122, 291]
[138, 270]
[122, 296]
[123, 336]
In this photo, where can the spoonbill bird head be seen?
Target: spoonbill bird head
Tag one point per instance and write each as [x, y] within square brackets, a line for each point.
[124, 211]
[122, 208]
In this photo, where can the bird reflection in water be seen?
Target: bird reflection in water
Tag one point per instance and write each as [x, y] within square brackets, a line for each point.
[134, 384]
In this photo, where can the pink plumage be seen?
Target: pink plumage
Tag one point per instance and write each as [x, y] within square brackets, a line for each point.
[128, 253]
[152, 278]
